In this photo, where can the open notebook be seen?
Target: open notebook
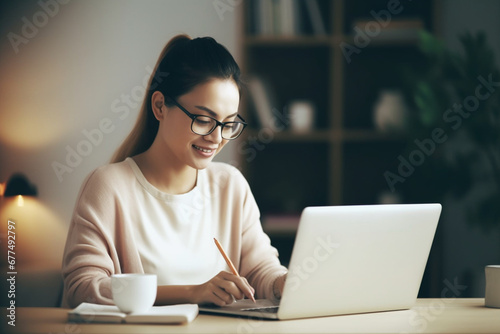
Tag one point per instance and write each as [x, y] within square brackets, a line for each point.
[171, 314]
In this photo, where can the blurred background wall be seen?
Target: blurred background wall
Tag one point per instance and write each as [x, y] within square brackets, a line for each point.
[72, 79]
[86, 64]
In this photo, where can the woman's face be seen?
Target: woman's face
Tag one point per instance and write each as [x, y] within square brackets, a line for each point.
[218, 98]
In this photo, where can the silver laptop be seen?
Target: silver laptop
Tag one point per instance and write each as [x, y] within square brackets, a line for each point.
[351, 259]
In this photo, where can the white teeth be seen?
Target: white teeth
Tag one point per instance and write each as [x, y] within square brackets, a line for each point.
[202, 149]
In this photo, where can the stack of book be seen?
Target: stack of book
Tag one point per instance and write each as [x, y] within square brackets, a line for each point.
[286, 17]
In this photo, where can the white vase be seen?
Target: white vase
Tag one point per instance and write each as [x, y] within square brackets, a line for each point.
[390, 112]
[301, 114]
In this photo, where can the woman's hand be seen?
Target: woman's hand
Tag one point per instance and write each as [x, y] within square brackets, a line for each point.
[222, 290]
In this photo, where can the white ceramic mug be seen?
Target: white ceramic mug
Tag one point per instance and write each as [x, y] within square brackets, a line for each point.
[134, 293]
[492, 293]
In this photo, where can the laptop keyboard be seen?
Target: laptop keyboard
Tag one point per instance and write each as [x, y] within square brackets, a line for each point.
[265, 309]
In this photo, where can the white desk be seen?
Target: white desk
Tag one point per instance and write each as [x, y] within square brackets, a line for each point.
[427, 316]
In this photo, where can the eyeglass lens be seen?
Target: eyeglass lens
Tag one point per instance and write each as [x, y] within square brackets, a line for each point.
[204, 125]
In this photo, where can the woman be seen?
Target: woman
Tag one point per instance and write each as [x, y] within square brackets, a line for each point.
[158, 206]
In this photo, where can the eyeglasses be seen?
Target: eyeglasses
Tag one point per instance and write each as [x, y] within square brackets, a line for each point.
[204, 125]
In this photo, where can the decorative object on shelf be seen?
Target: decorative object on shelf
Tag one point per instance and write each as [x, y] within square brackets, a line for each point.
[390, 112]
[301, 113]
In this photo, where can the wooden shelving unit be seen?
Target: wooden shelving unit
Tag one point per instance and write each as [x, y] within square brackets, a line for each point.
[343, 159]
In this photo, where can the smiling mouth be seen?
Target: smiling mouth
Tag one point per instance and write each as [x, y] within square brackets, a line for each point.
[203, 149]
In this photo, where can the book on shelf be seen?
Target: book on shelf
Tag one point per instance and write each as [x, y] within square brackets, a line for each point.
[263, 14]
[263, 100]
[286, 17]
[276, 17]
[317, 23]
[170, 314]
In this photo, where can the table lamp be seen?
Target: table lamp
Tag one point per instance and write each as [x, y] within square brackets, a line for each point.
[19, 185]
[36, 251]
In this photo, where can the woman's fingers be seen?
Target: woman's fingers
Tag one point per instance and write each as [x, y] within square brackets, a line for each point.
[224, 288]
[222, 297]
[240, 283]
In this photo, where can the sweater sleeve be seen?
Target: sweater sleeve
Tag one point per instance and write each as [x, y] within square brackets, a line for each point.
[90, 255]
[259, 259]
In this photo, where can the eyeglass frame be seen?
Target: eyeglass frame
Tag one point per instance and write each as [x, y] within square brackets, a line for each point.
[217, 123]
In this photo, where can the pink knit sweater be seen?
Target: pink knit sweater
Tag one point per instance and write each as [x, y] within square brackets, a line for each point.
[123, 224]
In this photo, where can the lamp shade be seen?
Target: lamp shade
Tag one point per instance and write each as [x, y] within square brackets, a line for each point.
[19, 184]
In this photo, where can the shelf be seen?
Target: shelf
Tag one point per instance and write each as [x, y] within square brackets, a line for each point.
[327, 136]
[407, 13]
[369, 136]
[296, 41]
[383, 41]
[290, 136]
[344, 159]
[326, 41]
[330, 164]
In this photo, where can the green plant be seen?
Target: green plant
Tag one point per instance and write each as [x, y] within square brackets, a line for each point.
[459, 92]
